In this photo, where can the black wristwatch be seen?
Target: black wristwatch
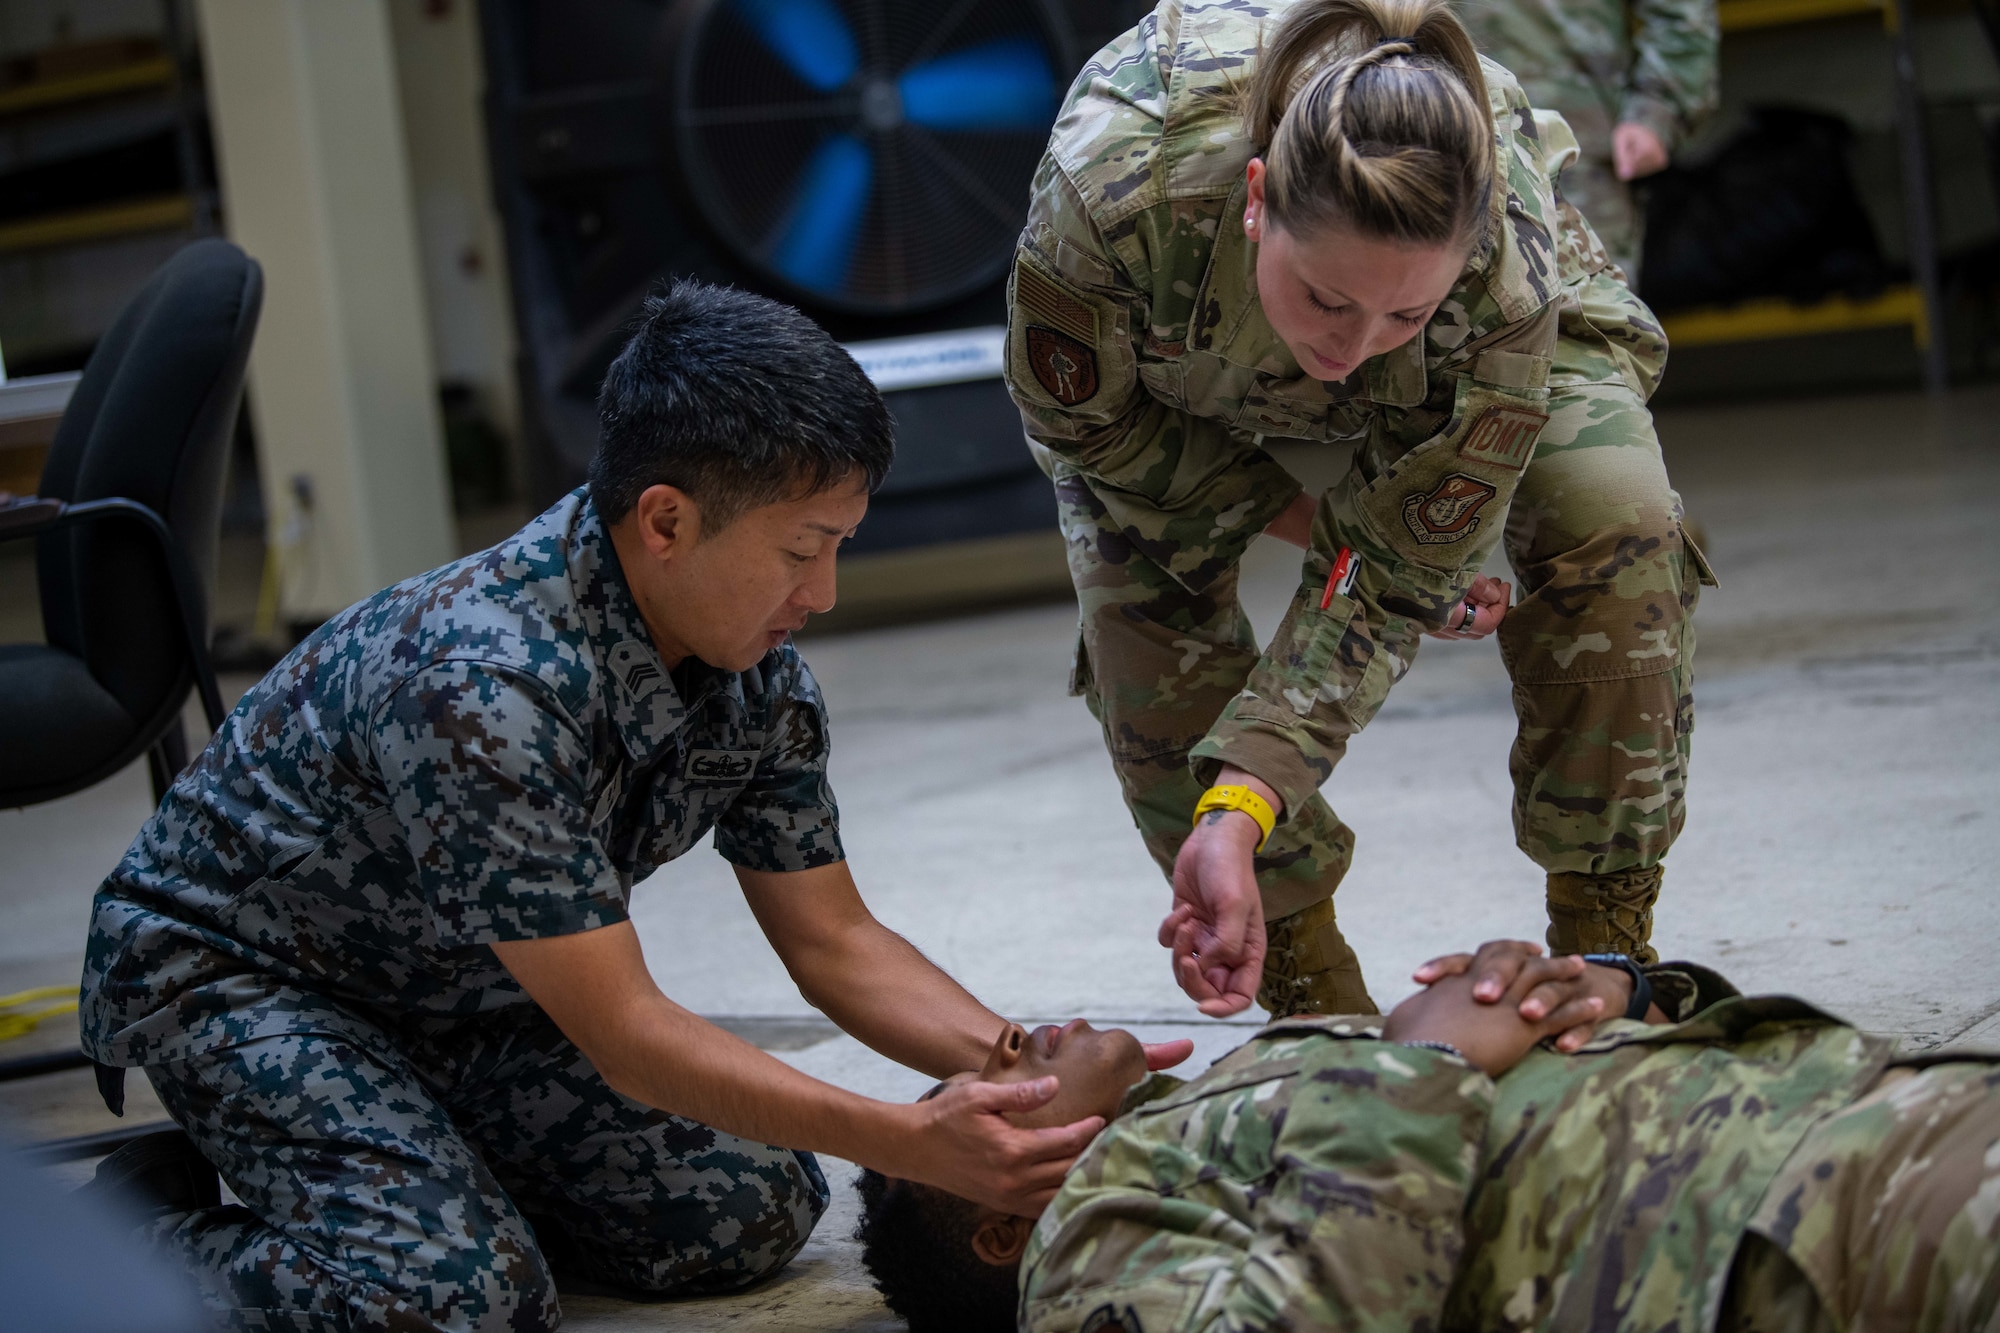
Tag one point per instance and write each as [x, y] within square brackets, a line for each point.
[1642, 989]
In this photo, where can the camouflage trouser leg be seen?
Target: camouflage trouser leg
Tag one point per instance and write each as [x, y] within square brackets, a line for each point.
[389, 1184]
[1612, 209]
[1156, 664]
[1600, 645]
[1885, 1217]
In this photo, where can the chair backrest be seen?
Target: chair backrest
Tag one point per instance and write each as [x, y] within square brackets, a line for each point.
[150, 421]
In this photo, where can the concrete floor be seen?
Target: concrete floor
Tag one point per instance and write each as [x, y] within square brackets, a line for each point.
[1840, 811]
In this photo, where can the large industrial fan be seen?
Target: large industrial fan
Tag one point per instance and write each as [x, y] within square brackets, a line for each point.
[870, 159]
[865, 160]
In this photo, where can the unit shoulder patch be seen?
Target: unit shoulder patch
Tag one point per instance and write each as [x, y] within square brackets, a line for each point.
[1064, 367]
[1449, 512]
[1505, 436]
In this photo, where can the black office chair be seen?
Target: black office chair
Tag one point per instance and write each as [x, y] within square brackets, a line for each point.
[127, 521]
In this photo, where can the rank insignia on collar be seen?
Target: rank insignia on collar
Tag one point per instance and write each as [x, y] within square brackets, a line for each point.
[1064, 367]
[637, 668]
[1448, 513]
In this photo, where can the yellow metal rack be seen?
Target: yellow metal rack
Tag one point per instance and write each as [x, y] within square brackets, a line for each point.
[1916, 305]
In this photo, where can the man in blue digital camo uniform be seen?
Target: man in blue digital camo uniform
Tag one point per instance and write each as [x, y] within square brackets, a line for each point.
[373, 950]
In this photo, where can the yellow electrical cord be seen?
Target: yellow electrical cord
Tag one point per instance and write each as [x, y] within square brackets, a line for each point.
[265, 625]
[21, 1024]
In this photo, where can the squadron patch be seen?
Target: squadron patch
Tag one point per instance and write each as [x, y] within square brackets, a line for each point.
[1504, 435]
[1064, 367]
[1449, 513]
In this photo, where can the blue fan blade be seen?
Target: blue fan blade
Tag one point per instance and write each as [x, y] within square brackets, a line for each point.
[818, 238]
[1003, 85]
[810, 36]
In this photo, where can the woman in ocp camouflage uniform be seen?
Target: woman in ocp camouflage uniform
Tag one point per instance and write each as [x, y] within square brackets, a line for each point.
[1329, 220]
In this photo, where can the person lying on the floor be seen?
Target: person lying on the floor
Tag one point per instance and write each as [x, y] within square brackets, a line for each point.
[1735, 1163]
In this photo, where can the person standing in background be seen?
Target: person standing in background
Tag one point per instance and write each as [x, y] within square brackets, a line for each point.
[1634, 78]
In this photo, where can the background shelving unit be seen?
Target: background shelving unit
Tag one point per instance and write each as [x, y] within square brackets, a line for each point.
[1917, 305]
[104, 170]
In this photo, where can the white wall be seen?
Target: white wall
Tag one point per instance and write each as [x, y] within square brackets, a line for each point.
[306, 109]
[441, 77]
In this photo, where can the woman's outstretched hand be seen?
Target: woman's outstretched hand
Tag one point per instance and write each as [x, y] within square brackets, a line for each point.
[1216, 926]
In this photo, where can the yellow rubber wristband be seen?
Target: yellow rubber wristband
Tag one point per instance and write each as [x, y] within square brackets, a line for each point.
[1239, 798]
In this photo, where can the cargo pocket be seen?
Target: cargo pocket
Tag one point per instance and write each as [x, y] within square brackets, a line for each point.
[1703, 573]
[1079, 670]
[1322, 657]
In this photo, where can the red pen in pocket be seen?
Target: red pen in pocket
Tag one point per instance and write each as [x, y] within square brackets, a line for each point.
[1340, 579]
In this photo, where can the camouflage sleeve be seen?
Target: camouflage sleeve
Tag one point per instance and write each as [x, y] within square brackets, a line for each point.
[1672, 84]
[1313, 1183]
[1189, 491]
[1683, 990]
[489, 779]
[1418, 533]
[785, 819]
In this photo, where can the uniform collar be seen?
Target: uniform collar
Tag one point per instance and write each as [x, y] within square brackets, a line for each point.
[1244, 337]
[645, 706]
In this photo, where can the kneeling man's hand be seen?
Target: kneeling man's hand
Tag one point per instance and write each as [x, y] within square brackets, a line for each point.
[1005, 1134]
[974, 1139]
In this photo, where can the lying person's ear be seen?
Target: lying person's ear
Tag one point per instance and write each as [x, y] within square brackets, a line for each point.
[1000, 1237]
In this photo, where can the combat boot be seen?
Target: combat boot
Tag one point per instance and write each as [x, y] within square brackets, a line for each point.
[1309, 968]
[1604, 913]
[155, 1175]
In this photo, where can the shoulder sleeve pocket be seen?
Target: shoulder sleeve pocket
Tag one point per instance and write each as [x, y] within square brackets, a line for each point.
[1068, 349]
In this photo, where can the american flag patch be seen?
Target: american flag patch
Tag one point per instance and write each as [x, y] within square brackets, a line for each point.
[1054, 306]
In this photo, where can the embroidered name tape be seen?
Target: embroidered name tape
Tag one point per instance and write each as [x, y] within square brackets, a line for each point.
[1505, 436]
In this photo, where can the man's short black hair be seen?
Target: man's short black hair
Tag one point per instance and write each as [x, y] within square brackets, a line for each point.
[916, 1242]
[737, 400]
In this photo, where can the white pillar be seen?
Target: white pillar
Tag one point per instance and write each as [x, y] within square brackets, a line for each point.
[315, 185]
[442, 78]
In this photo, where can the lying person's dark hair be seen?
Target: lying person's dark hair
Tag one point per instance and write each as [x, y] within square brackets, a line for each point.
[737, 401]
[916, 1243]
[947, 1264]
